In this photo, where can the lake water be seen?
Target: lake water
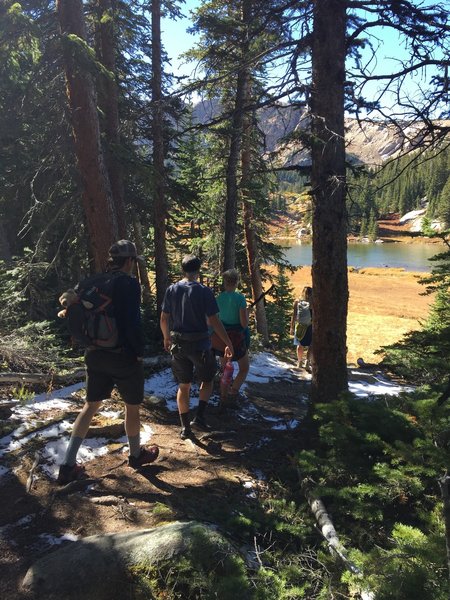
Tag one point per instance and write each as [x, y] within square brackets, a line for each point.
[411, 257]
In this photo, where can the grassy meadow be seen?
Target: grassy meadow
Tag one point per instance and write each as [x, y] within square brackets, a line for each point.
[384, 305]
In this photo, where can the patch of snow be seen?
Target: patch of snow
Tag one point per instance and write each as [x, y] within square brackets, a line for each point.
[63, 393]
[22, 522]
[264, 366]
[34, 407]
[110, 414]
[248, 412]
[292, 424]
[413, 214]
[380, 387]
[55, 540]
[10, 443]
[271, 418]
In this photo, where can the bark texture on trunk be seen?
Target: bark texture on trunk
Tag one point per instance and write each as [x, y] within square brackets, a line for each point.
[251, 239]
[97, 200]
[159, 187]
[329, 269]
[142, 269]
[109, 103]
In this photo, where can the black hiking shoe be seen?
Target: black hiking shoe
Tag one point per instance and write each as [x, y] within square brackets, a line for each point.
[68, 473]
[146, 457]
[186, 433]
[200, 423]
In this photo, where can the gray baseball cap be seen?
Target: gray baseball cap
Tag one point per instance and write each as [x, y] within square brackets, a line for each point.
[125, 249]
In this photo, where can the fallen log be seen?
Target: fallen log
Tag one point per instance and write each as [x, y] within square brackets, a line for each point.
[75, 376]
[329, 532]
[30, 378]
[30, 479]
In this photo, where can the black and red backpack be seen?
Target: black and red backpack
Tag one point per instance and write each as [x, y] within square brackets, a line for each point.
[89, 310]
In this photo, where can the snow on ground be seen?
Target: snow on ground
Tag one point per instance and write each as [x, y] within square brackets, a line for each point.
[379, 386]
[264, 367]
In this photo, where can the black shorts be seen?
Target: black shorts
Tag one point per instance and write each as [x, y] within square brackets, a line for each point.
[184, 364]
[107, 369]
[237, 338]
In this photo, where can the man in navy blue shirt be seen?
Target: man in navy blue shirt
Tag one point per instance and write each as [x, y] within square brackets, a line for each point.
[188, 309]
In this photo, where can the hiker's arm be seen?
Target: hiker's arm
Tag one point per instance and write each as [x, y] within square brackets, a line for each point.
[294, 315]
[243, 317]
[164, 323]
[218, 327]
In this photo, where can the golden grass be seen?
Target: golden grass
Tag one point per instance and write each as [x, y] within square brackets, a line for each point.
[384, 304]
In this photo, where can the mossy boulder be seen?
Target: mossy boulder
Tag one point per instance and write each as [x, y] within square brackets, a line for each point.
[180, 560]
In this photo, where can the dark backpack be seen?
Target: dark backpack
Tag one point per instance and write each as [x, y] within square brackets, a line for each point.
[89, 311]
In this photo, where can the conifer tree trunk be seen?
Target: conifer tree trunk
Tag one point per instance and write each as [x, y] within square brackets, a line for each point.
[142, 269]
[251, 240]
[329, 269]
[231, 208]
[97, 200]
[109, 103]
[159, 199]
[5, 250]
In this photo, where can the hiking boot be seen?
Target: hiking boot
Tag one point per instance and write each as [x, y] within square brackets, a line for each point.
[200, 423]
[147, 456]
[186, 433]
[69, 473]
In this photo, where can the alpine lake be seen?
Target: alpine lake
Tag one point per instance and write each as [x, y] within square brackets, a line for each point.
[393, 255]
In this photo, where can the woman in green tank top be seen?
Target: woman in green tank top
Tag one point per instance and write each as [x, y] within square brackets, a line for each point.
[234, 316]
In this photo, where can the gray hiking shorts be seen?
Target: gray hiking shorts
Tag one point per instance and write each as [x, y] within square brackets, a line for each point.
[108, 369]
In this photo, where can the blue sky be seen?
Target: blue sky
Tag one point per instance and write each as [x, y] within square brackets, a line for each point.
[390, 50]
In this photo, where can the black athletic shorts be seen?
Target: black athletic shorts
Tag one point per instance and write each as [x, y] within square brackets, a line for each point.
[107, 369]
[184, 364]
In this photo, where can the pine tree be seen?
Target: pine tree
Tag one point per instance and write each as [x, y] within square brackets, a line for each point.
[372, 227]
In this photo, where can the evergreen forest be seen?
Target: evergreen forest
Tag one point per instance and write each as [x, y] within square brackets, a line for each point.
[100, 140]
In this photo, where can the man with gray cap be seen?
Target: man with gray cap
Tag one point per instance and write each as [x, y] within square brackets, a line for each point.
[187, 310]
[120, 365]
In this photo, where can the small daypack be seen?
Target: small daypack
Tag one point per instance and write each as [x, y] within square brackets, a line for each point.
[89, 311]
[303, 313]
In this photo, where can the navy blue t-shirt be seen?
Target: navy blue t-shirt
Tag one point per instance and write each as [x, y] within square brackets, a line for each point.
[189, 303]
[126, 301]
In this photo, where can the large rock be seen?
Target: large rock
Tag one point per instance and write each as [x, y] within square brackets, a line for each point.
[108, 567]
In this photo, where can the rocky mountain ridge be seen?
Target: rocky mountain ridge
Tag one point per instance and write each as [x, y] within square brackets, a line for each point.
[368, 141]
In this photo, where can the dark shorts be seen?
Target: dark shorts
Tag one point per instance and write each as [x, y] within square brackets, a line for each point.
[185, 363]
[306, 339]
[108, 369]
[239, 340]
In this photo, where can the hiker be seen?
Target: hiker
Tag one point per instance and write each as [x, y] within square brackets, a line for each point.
[187, 310]
[234, 316]
[301, 327]
[120, 365]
